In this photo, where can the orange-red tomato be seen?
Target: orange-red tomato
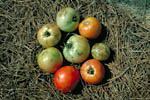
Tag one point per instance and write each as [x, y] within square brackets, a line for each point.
[66, 78]
[92, 71]
[90, 28]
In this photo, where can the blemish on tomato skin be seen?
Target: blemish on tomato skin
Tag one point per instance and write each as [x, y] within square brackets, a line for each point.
[64, 86]
[86, 22]
[74, 18]
[73, 70]
[57, 78]
[79, 53]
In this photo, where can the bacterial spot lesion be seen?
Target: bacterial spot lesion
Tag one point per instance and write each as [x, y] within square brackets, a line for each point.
[86, 22]
[79, 53]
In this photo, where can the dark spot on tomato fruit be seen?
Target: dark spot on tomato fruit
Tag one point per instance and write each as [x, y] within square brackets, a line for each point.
[79, 53]
[74, 18]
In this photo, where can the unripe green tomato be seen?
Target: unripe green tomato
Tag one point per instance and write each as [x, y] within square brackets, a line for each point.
[49, 35]
[68, 19]
[77, 49]
[100, 51]
[50, 59]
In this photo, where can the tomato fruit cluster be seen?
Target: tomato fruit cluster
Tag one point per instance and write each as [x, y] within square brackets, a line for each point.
[77, 49]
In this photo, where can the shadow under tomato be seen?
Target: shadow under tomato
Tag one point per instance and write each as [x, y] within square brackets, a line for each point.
[111, 57]
[60, 45]
[81, 19]
[78, 88]
[107, 76]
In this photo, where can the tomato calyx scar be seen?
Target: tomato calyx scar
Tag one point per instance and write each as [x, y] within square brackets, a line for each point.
[90, 71]
[47, 33]
[74, 18]
[68, 45]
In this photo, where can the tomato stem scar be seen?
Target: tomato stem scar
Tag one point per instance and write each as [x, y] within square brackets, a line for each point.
[68, 45]
[47, 33]
[91, 71]
[74, 18]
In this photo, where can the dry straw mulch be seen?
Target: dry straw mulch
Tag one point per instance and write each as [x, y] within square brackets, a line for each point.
[127, 70]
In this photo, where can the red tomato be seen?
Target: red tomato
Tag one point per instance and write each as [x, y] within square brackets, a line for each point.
[66, 78]
[92, 71]
[90, 28]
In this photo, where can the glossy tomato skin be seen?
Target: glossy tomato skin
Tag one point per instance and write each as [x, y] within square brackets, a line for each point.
[90, 28]
[77, 49]
[66, 78]
[50, 59]
[49, 35]
[92, 71]
[68, 19]
[100, 51]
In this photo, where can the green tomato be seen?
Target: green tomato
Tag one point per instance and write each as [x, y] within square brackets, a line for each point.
[50, 59]
[68, 19]
[77, 49]
[100, 51]
[49, 35]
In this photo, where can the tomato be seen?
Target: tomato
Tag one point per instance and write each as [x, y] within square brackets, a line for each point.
[66, 78]
[77, 49]
[49, 35]
[68, 19]
[90, 28]
[100, 51]
[92, 71]
[50, 59]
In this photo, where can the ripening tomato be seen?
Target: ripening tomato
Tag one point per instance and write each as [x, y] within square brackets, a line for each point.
[49, 35]
[92, 71]
[66, 78]
[90, 28]
[68, 19]
[50, 59]
[100, 51]
[77, 49]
